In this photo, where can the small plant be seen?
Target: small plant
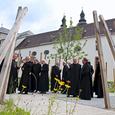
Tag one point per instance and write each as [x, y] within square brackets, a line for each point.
[111, 86]
[9, 108]
[53, 97]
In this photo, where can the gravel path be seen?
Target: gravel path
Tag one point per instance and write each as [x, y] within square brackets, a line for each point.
[38, 105]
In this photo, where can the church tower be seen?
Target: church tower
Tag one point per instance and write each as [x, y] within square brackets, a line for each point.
[82, 20]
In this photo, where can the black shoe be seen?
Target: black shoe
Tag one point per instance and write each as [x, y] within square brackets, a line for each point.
[74, 95]
[42, 92]
[99, 96]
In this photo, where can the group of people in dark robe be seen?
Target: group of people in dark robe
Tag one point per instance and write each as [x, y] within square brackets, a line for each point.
[35, 77]
[79, 78]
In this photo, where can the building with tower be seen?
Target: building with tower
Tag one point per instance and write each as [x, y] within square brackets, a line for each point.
[40, 43]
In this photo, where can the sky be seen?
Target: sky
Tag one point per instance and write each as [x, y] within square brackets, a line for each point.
[46, 15]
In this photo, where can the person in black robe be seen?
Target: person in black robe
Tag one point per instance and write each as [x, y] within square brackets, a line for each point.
[97, 80]
[44, 79]
[55, 73]
[91, 71]
[13, 78]
[75, 72]
[24, 86]
[65, 74]
[85, 92]
[36, 69]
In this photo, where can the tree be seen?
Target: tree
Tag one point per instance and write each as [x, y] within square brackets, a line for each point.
[68, 45]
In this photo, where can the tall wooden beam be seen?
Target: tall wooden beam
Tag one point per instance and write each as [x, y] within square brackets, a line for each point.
[102, 63]
[6, 72]
[41, 57]
[114, 76]
[108, 36]
[9, 39]
[8, 53]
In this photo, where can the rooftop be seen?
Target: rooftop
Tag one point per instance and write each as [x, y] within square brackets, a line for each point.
[4, 30]
[49, 37]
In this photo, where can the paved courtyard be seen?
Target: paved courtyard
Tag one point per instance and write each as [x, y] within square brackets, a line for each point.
[38, 104]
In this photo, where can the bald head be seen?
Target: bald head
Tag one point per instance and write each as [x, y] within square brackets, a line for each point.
[74, 60]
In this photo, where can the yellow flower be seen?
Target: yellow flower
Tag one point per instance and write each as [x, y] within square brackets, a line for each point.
[61, 83]
[55, 89]
[67, 86]
[23, 86]
[57, 79]
[60, 89]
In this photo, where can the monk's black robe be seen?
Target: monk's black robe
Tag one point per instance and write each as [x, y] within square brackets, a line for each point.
[98, 82]
[65, 75]
[44, 79]
[13, 78]
[91, 75]
[26, 76]
[55, 73]
[36, 69]
[75, 72]
[85, 92]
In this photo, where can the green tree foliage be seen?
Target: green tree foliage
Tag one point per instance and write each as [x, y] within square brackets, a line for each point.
[68, 45]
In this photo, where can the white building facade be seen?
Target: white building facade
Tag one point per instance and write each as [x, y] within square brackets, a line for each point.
[44, 41]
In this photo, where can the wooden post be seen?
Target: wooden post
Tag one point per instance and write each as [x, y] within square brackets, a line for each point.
[9, 39]
[6, 67]
[108, 36]
[49, 62]
[40, 56]
[19, 59]
[114, 75]
[102, 63]
[4, 75]
[106, 69]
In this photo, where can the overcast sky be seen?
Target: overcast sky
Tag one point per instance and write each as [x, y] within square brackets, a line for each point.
[46, 15]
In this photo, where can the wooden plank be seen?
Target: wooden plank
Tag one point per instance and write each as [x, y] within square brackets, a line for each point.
[19, 59]
[7, 63]
[12, 37]
[114, 76]
[106, 69]
[7, 42]
[102, 63]
[9, 37]
[6, 71]
[108, 36]
[2, 71]
[41, 57]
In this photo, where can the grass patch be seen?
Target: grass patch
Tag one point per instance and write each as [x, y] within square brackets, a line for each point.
[111, 86]
[9, 108]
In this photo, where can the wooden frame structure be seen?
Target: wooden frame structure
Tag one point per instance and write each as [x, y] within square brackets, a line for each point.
[100, 54]
[7, 50]
[102, 63]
